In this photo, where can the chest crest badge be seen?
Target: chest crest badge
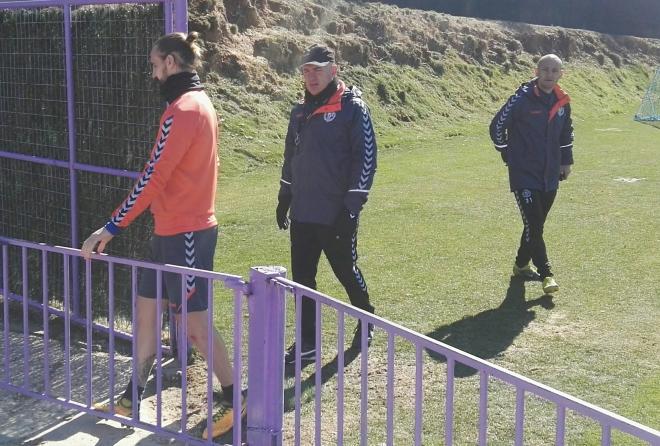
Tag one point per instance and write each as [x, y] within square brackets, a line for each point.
[329, 117]
[560, 112]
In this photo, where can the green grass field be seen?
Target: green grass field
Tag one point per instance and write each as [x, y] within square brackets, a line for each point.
[437, 242]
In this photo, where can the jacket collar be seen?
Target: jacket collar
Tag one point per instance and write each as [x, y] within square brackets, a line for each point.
[334, 103]
[562, 99]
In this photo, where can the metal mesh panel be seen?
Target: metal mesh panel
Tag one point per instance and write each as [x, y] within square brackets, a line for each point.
[35, 202]
[116, 117]
[117, 107]
[32, 83]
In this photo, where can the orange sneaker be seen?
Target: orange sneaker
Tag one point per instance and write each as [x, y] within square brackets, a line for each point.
[123, 407]
[223, 420]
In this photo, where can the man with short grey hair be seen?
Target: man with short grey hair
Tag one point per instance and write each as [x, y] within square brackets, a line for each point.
[329, 167]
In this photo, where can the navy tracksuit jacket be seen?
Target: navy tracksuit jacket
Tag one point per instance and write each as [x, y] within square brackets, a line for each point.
[534, 133]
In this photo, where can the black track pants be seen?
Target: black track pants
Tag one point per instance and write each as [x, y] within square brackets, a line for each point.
[534, 207]
[308, 240]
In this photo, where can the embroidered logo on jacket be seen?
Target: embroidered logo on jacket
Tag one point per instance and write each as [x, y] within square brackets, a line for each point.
[560, 112]
[329, 117]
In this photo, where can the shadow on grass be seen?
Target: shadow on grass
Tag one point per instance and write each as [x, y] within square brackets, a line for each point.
[489, 333]
[327, 371]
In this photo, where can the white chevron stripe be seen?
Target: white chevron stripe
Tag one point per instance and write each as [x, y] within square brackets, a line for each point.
[368, 164]
[356, 271]
[189, 241]
[144, 180]
[499, 126]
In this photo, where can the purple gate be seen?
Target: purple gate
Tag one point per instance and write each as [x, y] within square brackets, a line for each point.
[62, 364]
[78, 114]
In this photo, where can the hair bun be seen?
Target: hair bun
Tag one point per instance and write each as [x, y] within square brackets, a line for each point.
[192, 37]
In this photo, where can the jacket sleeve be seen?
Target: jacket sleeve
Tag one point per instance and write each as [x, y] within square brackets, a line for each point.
[289, 149]
[171, 144]
[501, 123]
[363, 158]
[566, 139]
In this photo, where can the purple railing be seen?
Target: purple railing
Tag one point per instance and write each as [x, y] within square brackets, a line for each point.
[36, 378]
[267, 293]
[487, 374]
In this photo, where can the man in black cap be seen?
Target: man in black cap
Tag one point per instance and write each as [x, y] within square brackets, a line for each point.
[329, 166]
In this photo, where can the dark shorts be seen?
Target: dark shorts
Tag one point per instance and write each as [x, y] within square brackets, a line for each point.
[191, 249]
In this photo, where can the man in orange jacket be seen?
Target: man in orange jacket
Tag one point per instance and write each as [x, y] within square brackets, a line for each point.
[178, 184]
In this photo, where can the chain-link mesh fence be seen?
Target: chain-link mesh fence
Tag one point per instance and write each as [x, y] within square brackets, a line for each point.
[115, 108]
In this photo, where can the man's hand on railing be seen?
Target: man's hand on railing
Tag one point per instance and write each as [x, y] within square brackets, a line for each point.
[100, 237]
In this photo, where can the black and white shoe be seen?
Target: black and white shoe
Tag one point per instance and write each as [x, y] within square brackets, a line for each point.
[307, 353]
[357, 337]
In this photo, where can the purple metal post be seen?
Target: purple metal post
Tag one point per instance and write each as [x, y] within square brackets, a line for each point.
[71, 129]
[419, 393]
[44, 289]
[183, 351]
[520, 416]
[297, 389]
[135, 415]
[88, 327]
[390, 389]
[238, 358]
[340, 377]
[111, 326]
[317, 376]
[449, 402]
[364, 387]
[167, 15]
[209, 361]
[483, 408]
[265, 361]
[159, 350]
[26, 321]
[181, 16]
[606, 435]
[67, 329]
[561, 425]
[5, 306]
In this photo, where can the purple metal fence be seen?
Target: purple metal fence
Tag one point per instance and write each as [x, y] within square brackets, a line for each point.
[372, 387]
[83, 381]
[488, 375]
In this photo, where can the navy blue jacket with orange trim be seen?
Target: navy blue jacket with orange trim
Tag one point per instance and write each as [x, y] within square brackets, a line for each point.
[329, 158]
[534, 133]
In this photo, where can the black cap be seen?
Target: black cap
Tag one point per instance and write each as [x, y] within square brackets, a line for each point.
[318, 55]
